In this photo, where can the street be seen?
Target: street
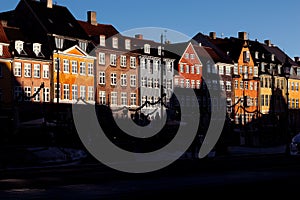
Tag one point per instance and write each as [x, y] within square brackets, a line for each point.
[270, 175]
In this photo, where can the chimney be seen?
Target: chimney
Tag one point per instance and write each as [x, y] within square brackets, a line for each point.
[297, 59]
[213, 35]
[48, 2]
[92, 18]
[268, 42]
[243, 36]
[139, 36]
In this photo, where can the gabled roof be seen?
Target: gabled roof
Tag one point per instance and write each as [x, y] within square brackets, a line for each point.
[177, 49]
[100, 29]
[217, 54]
[56, 20]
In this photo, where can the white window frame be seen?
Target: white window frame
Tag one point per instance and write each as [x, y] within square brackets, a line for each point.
[132, 80]
[123, 59]
[221, 69]
[83, 92]
[1, 50]
[102, 77]
[27, 70]
[114, 98]
[228, 70]
[46, 94]
[132, 62]
[66, 91]
[82, 68]
[74, 65]
[90, 93]
[74, 92]
[90, 69]
[147, 48]
[66, 66]
[37, 71]
[133, 99]
[46, 72]
[102, 97]
[37, 97]
[113, 78]
[113, 60]
[123, 80]
[123, 100]
[27, 93]
[102, 40]
[115, 42]
[127, 44]
[101, 58]
[18, 69]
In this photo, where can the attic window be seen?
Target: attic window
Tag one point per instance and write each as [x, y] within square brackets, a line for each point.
[159, 50]
[115, 43]
[19, 46]
[1, 50]
[246, 55]
[147, 48]
[83, 45]
[71, 25]
[102, 40]
[256, 55]
[272, 57]
[37, 48]
[127, 44]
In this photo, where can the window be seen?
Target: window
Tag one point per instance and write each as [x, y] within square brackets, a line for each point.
[181, 68]
[144, 98]
[90, 69]
[250, 71]
[298, 71]
[74, 67]
[37, 97]
[228, 70]
[150, 67]
[82, 92]
[255, 72]
[150, 82]
[143, 63]
[37, 48]
[45, 71]
[186, 55]
[127, 44]
[147, 48]
[156, 83]
[155, 65]
[228, 86]
[192, 69]
[256, 54]
[297, 103]
[182, 83]
[187, 69]
[262, 100]
[102, 97]
[241, 85]
[66, 91]
[113, 79]
[102, 78]
[133, 99]
[82, 45]
[18, 93]
[251, 85]
[18, 69]
[113, 59]
[169, 67]
[262, 67]
[246, 85]
[74, 92]
[221, 70]
[235, 69]
[132, 80]
[246, 56]
[192, 56]
[222, 85]
[57, 93]
[27, 93]
[297, 86]
[236, 84]
[197, 69]
[82, 70]
[123, 98]
[115, 43]
[27, 70]
[198, 84]
[114, 98]
[102, 40]
[1, 50]
[90, 93]
[133, 62]
[123, 80]
[66, 66]
[159, 50]
[19, 46]
[144, 82]
[37, 70]
[102, 58]
[187, 83]
[123, 61]
[241, 70]
[47, 94]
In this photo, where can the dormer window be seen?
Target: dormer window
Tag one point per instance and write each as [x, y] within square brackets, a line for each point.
[1, 50]
[272, 57]
[147, 48]
[102, 40]
[37, 48]
[115, 43]
[82, 45]
[59, 42]
[127, 44]
[159, 50]
[256, 55]
[19, 46]
[246, 55]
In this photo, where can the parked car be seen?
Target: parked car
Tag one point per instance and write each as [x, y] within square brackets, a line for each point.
[295, 145]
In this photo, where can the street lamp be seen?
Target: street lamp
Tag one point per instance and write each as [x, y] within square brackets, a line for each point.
[286, 69]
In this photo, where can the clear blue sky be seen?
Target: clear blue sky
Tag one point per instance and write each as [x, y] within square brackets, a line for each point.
[262, 19]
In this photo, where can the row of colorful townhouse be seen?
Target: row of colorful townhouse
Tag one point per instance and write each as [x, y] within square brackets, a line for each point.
[47, 55]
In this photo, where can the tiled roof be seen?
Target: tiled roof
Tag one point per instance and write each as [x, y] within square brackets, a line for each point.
[101, 29]
[3, 38]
